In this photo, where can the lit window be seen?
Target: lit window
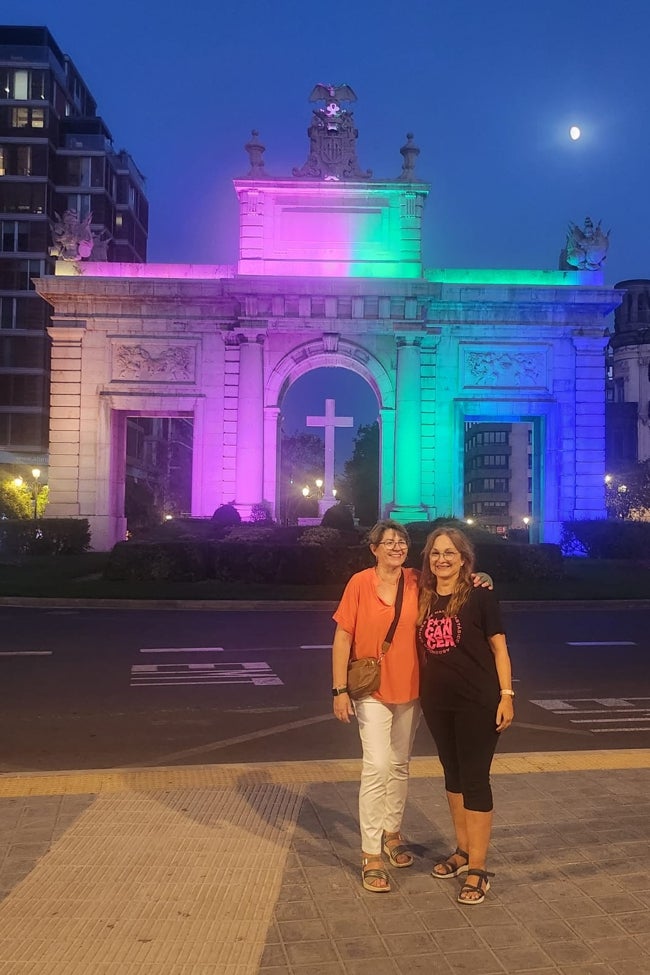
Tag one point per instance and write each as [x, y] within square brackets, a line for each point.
[20, 85]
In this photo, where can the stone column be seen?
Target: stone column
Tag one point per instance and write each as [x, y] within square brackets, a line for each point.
[65, 418]
[590, 427]
[249, 456]
[408, 412]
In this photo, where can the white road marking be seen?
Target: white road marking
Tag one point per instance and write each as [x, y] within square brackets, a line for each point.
[240, 739]
[611, 710]
[25, 653]
[257, 673]
[316, 646]
[181, 650]
[601, 643]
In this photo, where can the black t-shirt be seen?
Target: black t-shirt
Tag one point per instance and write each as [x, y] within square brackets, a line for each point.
[458, 664]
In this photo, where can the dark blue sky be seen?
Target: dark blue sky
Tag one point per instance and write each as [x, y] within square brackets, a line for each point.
[489, 88]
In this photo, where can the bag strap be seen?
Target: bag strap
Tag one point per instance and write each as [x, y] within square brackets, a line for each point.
[385, 647]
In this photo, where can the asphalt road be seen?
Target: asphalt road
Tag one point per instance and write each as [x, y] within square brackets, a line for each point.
[104, 688]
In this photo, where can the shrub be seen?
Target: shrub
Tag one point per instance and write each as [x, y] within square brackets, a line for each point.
[226, 515]
[157, 561]
[261, 514]
[44, 536]
[338, 516]
[607, 539]
[320, 536]
[290, 565]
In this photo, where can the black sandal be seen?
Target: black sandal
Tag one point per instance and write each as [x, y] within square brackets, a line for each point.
[448, 869]
[475, 888]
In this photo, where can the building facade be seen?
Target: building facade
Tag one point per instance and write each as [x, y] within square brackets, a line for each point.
[330, 274]
[56, 155]
[628, 394]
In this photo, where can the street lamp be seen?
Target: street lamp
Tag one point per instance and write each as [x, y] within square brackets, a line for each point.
[36, 473]
[305, 492]
[526, 520]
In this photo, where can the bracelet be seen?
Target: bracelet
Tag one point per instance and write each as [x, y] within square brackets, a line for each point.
[508, 692]
[339, 690]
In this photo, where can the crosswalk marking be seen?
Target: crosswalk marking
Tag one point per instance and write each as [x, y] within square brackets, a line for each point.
[257, 672]
[620, 714]
[181, 649]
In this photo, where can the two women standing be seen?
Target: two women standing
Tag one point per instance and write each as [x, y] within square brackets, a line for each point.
[465, 668]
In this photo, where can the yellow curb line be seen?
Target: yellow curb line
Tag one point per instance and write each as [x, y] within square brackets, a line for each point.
[105, 781]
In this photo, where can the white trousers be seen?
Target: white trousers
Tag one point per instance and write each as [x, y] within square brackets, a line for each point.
[387, 732]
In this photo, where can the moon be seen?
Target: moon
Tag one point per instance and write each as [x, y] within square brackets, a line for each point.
[575, 132]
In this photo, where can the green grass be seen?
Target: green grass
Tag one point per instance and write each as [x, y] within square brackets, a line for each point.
[80, 576]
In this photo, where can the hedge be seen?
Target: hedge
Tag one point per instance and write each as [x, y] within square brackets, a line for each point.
[44, 536]
[610, 538]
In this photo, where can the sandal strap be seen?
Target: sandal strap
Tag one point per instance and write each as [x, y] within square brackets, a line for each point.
[395, 851]
[379, 874]
[461, 853]
[483, 874]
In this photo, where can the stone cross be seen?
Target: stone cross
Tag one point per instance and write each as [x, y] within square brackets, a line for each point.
[329, 421]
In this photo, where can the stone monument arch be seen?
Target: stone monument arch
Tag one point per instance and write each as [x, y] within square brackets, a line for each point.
[329, 273]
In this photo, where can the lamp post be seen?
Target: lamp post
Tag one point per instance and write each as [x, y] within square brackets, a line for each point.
[526, 520]
[36, 473]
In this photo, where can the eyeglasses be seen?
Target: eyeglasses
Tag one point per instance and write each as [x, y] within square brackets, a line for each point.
[447, 556]
[391, 544]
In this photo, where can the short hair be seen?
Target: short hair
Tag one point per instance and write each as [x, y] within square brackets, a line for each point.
[378, 531]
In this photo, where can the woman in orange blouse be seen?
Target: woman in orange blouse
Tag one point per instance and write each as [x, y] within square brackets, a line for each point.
[387, 719]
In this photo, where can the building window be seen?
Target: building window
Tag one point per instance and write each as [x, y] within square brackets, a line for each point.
[80, 203]
[25, 118]
[14, 236]
[7, 312]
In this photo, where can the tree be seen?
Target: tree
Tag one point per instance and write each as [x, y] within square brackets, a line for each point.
[302, 460]
[628, 495]
[361, 478]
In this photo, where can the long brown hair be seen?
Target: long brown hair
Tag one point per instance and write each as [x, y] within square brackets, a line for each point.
[459, 596]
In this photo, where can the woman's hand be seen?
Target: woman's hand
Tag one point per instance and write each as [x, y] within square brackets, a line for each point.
[343, 709]
[482, 580]
[505, 713]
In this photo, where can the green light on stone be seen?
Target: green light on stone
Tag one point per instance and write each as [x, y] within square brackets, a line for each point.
[522, 276]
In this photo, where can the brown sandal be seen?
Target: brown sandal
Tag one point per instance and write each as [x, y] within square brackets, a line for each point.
[397, 850]
[371, 873]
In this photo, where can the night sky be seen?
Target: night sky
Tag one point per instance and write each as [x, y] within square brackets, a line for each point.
[490, 90]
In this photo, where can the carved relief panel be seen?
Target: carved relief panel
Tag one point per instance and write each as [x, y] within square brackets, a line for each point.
[504, 368]
[153, 362]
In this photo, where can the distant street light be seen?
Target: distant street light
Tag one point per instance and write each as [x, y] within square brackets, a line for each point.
[36, 473]
[305, 492]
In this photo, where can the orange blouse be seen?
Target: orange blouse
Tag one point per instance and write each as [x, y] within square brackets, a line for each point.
[367, 618]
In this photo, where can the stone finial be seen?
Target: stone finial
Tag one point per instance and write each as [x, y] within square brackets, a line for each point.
[586, 247]
[410, 153]
[73, 238]
[255, 151]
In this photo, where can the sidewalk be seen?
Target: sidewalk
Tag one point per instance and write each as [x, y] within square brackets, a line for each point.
[239, 870]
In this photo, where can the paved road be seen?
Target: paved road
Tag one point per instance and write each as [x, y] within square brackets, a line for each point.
[102, 688]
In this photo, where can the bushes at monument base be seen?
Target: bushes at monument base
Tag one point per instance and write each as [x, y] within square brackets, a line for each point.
[44, 536]
[240, 561]
[610, 538]
[158, 562]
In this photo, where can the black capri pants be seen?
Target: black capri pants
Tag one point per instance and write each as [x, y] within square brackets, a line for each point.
[466, 741]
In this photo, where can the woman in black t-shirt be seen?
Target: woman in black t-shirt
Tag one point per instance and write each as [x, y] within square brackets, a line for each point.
[466, 695]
